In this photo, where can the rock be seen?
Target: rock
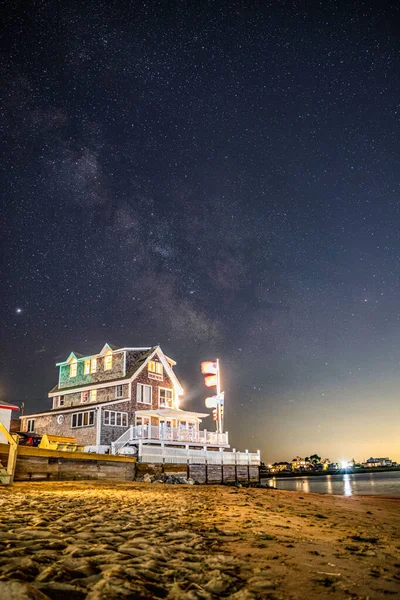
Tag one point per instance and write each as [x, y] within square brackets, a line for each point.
[15, 590]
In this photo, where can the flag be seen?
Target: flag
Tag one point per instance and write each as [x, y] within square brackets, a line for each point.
[212, 402]
[209, 368]
[210, 380]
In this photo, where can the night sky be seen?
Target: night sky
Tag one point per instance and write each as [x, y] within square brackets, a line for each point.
[221, 178]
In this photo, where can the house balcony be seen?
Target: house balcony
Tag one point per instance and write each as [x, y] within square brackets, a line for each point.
[155, 434]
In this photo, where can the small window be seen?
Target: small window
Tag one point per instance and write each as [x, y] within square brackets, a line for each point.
[85, 397]
[93, 395]
[82, 419]
[93, 365]
[159, 368]
[60, 400]
[73, 369]
[166, 397]
[108, 362]
[118, 391]
[30, 425]
[152, 366]
[116, 419]
[144, 393]
[87, 367]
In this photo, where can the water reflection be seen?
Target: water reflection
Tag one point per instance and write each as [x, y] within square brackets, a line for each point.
[347, 485]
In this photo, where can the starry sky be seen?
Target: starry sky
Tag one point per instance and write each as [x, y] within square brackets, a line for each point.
[218, 177]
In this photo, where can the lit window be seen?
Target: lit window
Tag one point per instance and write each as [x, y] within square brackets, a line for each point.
[30, 425]
[85, 397]
[93, 395]
[165, 397]
[82, 419]
[118, 391]
[159, 368]
[108, 362]
[155, 367]
[73, 369]
[87, 367]
[93, 365]
[144, 393]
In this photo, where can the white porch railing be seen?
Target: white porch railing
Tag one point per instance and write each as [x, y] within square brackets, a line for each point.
[170, 434]
[159, 454]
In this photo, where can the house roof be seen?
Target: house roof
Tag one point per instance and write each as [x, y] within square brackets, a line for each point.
[129, 373]
[8, 406]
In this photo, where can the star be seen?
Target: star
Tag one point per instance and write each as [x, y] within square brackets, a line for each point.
[18, 311]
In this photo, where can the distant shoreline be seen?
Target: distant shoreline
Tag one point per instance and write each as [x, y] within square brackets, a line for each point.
[282, 475]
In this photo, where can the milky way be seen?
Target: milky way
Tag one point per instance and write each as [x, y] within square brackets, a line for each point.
[222, 179]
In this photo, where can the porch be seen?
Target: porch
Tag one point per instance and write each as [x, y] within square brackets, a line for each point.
[176, 435]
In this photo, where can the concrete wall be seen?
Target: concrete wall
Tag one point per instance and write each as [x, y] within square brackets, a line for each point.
[37, 464]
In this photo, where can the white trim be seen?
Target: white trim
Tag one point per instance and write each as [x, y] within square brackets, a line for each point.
[144, 348]
[98, 355]
[84, 388]
[98, 425]
[177, 386]
[143, 385]
[124, 364]
[75, 408]
[168, 390]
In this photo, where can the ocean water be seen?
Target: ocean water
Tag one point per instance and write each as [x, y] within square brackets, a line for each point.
[359, 484]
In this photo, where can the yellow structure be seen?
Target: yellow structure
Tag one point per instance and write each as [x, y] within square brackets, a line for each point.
[58, 442]
[7, 475]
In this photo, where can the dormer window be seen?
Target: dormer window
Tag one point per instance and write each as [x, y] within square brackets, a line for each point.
[155, 370]
[93, 365]
[87, 367]
[155, 367]
[108, 361]
[73, 369]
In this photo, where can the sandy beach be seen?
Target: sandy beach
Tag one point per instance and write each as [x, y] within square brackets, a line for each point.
[75, 541]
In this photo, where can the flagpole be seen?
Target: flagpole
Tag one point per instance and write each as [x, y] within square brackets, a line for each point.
[219, 419]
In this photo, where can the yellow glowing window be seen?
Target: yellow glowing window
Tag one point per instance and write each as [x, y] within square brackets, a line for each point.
[73, 369]
[93, 395]
[87, 367]
[155, 367]
[159, 368]
[93, 365]
[108, 362]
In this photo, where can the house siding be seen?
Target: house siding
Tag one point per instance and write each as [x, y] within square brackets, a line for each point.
[104, 394]
[110, 433]
[143, 377]
[101, 375]
[48, 424]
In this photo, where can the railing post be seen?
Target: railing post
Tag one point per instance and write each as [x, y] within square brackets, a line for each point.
[226, 438]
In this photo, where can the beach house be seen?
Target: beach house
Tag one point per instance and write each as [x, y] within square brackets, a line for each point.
[101, 397]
